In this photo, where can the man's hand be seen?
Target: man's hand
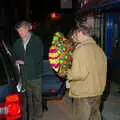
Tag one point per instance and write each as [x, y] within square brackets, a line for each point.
[21, 62]
[62, 75]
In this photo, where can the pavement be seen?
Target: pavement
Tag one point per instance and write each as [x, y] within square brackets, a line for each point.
[60, 110]
[57, 111]
[111, 110]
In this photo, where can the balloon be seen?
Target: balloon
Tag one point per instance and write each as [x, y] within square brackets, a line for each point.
[60, 53]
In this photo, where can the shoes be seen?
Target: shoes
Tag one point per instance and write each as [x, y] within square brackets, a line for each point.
[44, 105]
[45, 109]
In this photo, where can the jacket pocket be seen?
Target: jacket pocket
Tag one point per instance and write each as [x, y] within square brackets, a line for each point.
[79, 88]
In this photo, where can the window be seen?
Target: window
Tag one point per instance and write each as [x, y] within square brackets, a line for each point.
[66, 4]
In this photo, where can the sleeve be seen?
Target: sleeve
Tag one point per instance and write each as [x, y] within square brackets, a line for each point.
[39, 57]
[18, 50]
[79, 70]
[39, 49]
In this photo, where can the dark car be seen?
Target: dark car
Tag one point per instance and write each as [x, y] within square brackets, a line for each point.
[53, 85]
[12, 94]
[10, 98]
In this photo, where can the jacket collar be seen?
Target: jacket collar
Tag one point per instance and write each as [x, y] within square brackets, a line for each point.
[88, 40]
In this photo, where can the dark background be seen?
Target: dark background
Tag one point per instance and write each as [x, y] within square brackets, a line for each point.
[13, 11]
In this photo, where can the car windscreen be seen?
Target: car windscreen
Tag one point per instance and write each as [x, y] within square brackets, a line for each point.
[3, 75]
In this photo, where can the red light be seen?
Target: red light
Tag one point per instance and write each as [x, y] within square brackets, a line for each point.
[53, 90]
[13, 108]
[35, 26]
[12, 98]
[55, 16]
[14, 104]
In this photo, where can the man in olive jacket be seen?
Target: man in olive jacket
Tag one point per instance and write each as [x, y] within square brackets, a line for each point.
[87, 75]
[28, 53]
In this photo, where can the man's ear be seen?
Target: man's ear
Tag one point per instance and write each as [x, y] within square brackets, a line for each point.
[80, 34]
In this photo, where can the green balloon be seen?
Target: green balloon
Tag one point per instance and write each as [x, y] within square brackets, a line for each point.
[66, 57]
[53, 42]
[59, 52]
[55, 38]
[59, 45]
[64, 49]
[61, 61]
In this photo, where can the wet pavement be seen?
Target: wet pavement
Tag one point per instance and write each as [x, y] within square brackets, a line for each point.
[111, 109]
[57, 111]
[60, 110]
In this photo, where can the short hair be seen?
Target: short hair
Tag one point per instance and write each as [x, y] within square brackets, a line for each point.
[22, 24]
[84, 28]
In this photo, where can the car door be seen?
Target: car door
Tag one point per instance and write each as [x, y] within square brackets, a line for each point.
[53, 86]
[7, 77]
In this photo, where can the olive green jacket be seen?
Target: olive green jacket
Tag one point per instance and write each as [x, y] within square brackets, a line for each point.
[32, 57]
[88, 73]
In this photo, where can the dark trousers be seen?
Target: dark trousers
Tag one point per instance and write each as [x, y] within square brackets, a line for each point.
[34, 99]
[86, 108]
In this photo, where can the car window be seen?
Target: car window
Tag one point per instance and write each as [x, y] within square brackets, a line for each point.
[11, 69]
[3, 75]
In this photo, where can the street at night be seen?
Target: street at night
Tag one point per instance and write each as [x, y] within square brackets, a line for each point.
[76, 50]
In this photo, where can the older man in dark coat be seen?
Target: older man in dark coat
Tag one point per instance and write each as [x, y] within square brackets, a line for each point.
[28, 52]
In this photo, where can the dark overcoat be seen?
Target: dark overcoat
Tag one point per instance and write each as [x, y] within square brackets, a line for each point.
[32, 57]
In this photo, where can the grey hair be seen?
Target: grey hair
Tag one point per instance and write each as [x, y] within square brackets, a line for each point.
[24, 24]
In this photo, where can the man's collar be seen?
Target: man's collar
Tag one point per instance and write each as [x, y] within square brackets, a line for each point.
[88, 40]
[28, 38]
